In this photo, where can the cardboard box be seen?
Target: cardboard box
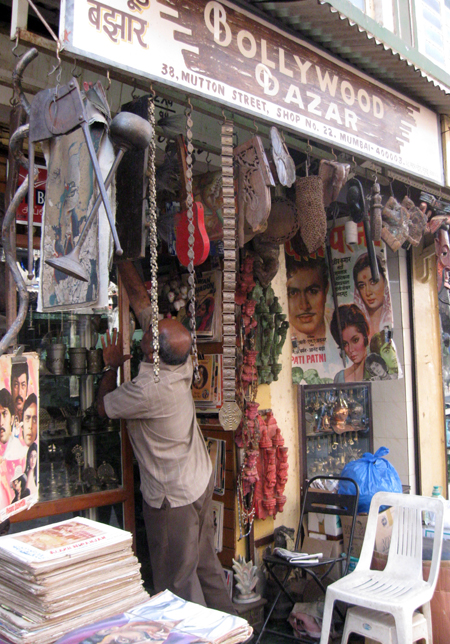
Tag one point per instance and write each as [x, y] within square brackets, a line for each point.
[329, 524]
[328, 549]
[383, 536]
[429, 532]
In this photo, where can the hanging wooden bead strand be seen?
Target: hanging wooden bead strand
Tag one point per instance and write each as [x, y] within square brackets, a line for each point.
[230, 414]
[152, 236]
[191, 238]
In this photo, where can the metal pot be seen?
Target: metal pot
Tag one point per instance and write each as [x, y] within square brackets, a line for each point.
[94, 360]
[56, 354]
[77, 358]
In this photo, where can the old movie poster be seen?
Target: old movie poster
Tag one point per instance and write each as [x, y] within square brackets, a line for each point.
[19, 433]
[354, 343]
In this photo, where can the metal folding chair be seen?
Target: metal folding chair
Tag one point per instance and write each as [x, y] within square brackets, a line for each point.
[314, 500]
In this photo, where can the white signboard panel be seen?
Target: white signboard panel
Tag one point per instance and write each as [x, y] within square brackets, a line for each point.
[219, 51]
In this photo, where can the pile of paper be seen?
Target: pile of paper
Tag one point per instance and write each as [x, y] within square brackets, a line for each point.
[56, 578]
[165, 618]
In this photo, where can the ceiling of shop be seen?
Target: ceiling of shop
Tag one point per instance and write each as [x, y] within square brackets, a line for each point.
[320, 23]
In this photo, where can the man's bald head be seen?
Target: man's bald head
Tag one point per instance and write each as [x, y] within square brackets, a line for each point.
[175, 342]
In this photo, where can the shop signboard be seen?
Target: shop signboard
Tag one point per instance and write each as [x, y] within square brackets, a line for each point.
[224, 53]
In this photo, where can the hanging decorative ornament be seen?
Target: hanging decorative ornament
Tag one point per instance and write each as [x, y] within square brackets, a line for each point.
[191, 238]
[153, 237]
[230, 414]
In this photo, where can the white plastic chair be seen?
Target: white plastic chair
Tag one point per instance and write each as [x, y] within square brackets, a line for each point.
[399, 589]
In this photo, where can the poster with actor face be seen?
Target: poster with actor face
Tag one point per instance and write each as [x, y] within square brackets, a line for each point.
[19, 432]
[352, 343]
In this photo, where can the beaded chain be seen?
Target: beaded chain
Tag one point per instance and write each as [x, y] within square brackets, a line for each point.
[191, 239]
[152, 236]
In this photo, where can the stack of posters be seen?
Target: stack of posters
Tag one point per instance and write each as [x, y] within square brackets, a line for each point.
[208, 389]
[56, 578]
[166, 619]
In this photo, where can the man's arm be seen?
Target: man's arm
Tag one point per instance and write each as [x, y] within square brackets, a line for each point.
[113, 358]
[135, 287]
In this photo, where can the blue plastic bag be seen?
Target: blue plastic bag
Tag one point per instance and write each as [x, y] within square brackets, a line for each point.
[373, 473]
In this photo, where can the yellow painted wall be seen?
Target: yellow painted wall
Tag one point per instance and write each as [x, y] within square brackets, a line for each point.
[280, 396]
[429, 389]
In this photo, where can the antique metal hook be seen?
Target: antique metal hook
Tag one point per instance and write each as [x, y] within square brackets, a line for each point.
[308, 158]
[16, 45]
[108, 78]
[391, 186]
[73, 70]
[58, 66]
[255, 126]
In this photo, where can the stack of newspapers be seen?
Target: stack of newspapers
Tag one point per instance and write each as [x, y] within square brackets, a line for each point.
[56, 578]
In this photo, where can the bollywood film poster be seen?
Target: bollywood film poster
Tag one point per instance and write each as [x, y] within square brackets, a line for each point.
[19, 433]
[362, 348]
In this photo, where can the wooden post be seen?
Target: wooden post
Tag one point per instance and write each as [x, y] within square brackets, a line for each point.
[127, 451]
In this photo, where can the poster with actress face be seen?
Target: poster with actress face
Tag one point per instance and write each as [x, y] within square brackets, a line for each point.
[19, 433]
[351, 344]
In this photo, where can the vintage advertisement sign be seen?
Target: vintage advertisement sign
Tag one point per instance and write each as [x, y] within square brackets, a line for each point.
[219, 51]
[39, 196]
[19, 433]
[364, 313]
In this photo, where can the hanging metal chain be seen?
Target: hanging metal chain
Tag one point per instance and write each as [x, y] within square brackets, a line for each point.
[246, 507]
[191, 238]
[230, 414]
[153, 237]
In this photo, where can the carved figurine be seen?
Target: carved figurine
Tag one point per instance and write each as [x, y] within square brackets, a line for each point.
[246, 577]
[245, 281]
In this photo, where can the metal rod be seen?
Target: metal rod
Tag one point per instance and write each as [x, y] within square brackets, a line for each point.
[101, 185]
[99, 199]
[30, 207]
[375, 273]
[336, 303]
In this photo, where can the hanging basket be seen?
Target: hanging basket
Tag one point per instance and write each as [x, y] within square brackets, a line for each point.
[313, 219]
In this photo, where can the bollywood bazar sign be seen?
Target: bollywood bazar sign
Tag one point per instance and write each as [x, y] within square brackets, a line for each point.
[222, 52]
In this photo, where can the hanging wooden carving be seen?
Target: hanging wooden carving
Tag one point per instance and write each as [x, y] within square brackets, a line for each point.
[254, 182]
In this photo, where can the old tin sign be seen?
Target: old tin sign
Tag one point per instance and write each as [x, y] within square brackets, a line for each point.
[220, 51]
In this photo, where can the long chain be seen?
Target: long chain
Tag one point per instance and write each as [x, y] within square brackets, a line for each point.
[152, 237]
[191, 239]
[246, 511]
